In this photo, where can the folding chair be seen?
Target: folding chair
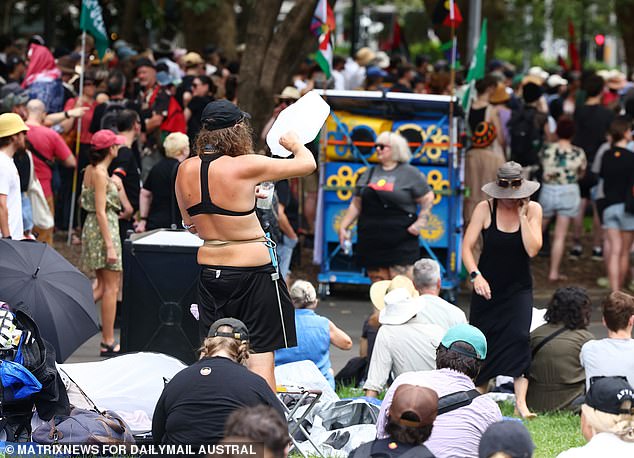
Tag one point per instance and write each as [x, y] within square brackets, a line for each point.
[302, 398]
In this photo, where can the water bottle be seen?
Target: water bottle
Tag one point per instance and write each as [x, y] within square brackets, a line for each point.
[347, 247]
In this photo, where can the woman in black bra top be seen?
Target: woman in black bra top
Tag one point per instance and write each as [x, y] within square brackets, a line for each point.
[216, 197]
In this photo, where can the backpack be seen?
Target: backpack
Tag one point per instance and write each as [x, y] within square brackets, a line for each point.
[526, 129]
[111, 113]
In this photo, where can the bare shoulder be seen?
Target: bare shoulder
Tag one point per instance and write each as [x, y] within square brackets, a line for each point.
[189, 163]
[534, 208]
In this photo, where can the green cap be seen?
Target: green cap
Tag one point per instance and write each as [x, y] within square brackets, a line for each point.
[467, 334]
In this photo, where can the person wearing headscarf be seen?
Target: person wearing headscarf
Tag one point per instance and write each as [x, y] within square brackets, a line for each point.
[43, 79]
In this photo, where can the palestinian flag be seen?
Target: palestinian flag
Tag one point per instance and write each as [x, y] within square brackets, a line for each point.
[322, 26]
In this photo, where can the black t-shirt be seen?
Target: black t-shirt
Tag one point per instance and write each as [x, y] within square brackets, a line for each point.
[196, 106]
[23, 164]
[196, 403]
[591, 126]
[617, 170]
[160, 182]
[286, 198]
[126, 167]
[386, 448]
[185, 86]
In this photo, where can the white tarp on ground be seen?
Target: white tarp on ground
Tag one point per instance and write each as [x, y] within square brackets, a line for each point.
[129, 385]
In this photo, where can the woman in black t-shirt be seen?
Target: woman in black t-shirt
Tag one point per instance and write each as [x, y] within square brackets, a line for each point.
[617, 170]
[203, 91]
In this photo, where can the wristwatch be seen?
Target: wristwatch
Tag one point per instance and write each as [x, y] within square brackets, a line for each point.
[473, 275]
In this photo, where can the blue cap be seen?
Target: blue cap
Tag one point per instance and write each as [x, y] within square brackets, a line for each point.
[164, 79]
[375, 71]
[467, 334]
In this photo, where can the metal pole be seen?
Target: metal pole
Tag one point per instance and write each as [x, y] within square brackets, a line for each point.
[354, 35]
[81, 91]
[475, 19]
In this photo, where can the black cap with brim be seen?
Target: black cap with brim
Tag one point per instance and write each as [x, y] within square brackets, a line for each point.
[144, 62]
[239, 329]
[612, 395]
[221, 114]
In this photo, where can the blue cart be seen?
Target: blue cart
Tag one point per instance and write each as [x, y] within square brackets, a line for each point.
[356, 119]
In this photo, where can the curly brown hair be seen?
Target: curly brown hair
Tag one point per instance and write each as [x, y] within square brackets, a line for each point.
[570, 307]
[231, 141]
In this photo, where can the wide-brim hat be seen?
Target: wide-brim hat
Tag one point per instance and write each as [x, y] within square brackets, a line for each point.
[500, 95]
[615, 80]
[400, 307]
[380, 289]
[508, 173]
[364, 56]
[289, 93]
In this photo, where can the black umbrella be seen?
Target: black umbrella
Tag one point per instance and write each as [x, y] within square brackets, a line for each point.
[53, 292]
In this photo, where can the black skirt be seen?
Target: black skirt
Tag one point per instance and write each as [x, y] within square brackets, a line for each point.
[250, 295]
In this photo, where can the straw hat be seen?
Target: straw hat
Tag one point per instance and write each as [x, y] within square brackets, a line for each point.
[499, 95]
[615, 80]
[380, 289]
[510, 184]
[289, 93]
[364, 56]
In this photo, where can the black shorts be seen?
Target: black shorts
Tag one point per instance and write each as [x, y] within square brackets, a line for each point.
[250, 295]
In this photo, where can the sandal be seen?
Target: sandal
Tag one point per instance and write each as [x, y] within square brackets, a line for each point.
[109, 350]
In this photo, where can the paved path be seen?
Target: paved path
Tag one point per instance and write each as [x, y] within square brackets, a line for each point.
[349, 309]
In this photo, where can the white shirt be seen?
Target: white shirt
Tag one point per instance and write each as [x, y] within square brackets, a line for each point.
[436, 310]
[602, 444]
[354, 74]
[608, 357]
[402, 348]
[10, 187]
[339, 80]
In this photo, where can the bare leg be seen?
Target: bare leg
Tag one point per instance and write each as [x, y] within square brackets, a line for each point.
[613, 263]
[263, 364]
[97, 288]
[597, 230]
[624, 264]
[557, 246]
[577, 224]
[109, 304]
[521, 388]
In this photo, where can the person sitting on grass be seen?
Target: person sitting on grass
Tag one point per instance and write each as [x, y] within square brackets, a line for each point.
[556, 380]
[506, 439]
[607, 420]
[409, 424]
[459, 359]
[315, 333]
[612, 356]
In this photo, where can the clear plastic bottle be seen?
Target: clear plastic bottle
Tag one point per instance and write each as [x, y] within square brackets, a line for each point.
[347, 245]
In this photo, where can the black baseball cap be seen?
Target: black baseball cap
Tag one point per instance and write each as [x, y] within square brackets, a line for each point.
[221, 114]
[611, 395]
[508, 436]
[144, 62]
[239, 329]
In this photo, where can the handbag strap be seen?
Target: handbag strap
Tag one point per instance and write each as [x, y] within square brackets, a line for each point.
[39, 155]
[453, 401]
[546, 340]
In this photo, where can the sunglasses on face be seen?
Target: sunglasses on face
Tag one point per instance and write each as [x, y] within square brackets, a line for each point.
[381, 146]
[506, 183]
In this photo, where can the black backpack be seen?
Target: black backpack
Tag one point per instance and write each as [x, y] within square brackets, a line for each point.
[110, 116]
[526, 132]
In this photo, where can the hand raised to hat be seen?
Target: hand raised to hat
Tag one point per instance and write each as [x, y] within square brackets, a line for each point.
[290, 141]
[522, 208]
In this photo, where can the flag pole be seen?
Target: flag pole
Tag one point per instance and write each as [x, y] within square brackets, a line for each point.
[77, 141]
[452, 75]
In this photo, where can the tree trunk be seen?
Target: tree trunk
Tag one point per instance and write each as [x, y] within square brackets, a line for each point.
[270, 55]
[129, 22]
[625, 19]
[214, 25]
[494, 11]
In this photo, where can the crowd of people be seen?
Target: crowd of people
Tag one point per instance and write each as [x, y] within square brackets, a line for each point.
[155, 139]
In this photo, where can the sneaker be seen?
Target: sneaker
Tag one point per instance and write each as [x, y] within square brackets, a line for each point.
[597, 254]
[576, 252]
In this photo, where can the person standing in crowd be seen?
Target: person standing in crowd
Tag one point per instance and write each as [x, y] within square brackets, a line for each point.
[556, 377]
[612, 355]
[101, 246]
[500, 99]
[481, 165]
[617, 170]
[481, 109]
[194, 68]
[592, 122]
[197, 401]
[126, 167]
[288, 223]
[46, 145]
[216, 193]
[607, 420]
[158, 207]
[459, 357]
[502, 299]
[563, 165]
[12, 140]
[409, 424]
[384, 204]
[106, 114]
[315, 333]
[43, 79]
[203, 90]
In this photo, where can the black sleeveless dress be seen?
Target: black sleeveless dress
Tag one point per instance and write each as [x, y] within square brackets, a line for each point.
[505, 319]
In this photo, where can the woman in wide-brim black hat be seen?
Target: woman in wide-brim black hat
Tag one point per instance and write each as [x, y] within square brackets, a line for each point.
[502, 299]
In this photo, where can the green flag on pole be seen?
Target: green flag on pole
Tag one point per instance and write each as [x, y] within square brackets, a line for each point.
[91, 21]
[478, 62]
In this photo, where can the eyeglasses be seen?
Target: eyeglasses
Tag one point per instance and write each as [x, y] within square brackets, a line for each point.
[506, 183]
[381, 146]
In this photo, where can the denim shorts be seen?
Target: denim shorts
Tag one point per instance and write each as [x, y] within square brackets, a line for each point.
[560, 199]
[615, 217]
